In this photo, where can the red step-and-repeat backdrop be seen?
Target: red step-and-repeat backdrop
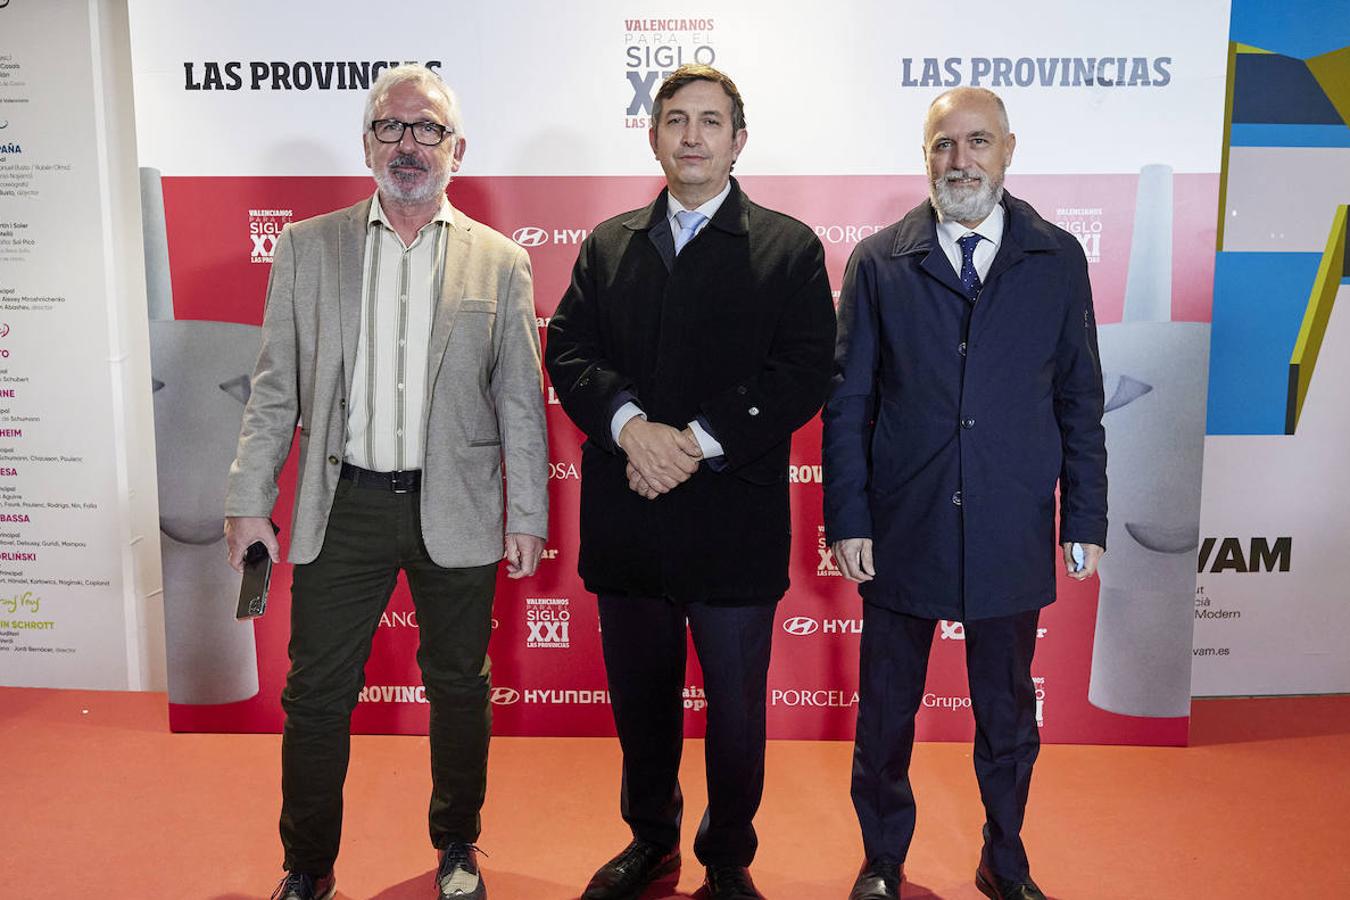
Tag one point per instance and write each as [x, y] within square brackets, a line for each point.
[251, 115]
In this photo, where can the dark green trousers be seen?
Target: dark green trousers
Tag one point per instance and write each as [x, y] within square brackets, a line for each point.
[336, 602]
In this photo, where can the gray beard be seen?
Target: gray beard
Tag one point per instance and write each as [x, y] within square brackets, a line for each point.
[395, 190]
[965, 205]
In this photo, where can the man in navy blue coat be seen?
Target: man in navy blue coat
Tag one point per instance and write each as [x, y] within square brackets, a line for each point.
[967, 385]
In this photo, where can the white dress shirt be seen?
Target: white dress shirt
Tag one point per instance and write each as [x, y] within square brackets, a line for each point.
[991, 229]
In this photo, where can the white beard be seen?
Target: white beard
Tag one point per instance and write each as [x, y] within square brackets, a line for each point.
[965, 204]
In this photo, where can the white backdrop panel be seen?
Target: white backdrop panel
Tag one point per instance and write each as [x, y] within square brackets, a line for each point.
[832, 88]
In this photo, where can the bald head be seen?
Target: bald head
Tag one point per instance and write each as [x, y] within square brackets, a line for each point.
[967, 147]
[965, 97]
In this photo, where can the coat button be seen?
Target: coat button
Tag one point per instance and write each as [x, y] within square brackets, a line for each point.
[334, 460]
[342, 404]
[962, 349]
[956, 499]
[968, 423]
[754, 410]
[741, 389]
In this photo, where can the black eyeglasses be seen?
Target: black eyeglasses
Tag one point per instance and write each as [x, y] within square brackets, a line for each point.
[428, 134]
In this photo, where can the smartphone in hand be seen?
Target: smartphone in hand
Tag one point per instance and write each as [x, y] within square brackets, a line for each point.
[257, 576]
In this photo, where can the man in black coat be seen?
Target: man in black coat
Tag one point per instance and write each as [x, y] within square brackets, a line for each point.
[695, 337]
[967, 386]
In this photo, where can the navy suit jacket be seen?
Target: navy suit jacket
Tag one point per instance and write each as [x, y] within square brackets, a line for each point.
[951, 422]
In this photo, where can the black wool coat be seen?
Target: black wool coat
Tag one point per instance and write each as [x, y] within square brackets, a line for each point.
[738, 331]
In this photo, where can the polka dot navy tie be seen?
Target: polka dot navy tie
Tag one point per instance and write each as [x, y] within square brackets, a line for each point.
[689, 221]
[970, 279]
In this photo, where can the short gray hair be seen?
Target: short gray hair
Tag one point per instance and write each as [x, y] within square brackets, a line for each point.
[413, 73]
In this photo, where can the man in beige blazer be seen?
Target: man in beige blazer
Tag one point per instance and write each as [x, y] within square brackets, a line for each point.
[400, 339]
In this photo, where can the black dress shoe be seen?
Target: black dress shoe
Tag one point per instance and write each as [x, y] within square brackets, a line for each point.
[992, 885]
[730, 883]
[878, 880]
[627, 875]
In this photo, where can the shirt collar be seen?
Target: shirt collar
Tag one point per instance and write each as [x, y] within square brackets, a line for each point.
[445, 214]
[991, 229]
[708, 209]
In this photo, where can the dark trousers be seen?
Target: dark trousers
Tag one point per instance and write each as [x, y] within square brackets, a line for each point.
[336, 602]
[894, 664]
[644, 646]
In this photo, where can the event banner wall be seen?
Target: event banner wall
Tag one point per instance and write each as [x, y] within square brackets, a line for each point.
[1271, 605]
[76, 462]
[251, 115]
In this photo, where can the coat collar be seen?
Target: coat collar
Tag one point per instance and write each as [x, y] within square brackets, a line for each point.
[732, 216]
[1023, 226]
[1024, 232]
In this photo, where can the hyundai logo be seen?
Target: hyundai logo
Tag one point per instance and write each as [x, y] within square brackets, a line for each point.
[505, 696]
[801, 625]
[529, 236]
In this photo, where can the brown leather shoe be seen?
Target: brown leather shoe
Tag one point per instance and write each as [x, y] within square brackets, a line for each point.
[878, 880]
[627, 875]
[730, 883]
[991, 885]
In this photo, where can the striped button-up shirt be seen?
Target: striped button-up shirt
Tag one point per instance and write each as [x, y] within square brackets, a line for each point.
[400, 288]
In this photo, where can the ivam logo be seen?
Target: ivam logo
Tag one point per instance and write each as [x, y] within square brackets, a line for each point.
[505, 696]
[534, 236]
[801, 625]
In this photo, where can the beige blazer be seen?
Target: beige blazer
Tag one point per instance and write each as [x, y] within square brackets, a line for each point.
[484, 400]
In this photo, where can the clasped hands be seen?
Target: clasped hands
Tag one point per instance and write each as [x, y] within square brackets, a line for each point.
[660, 457]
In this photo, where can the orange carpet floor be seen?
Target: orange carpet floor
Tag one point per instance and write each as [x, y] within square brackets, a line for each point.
[100, 800]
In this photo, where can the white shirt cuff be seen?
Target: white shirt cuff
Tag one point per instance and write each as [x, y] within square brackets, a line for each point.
[706, 442]
[626, 412]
